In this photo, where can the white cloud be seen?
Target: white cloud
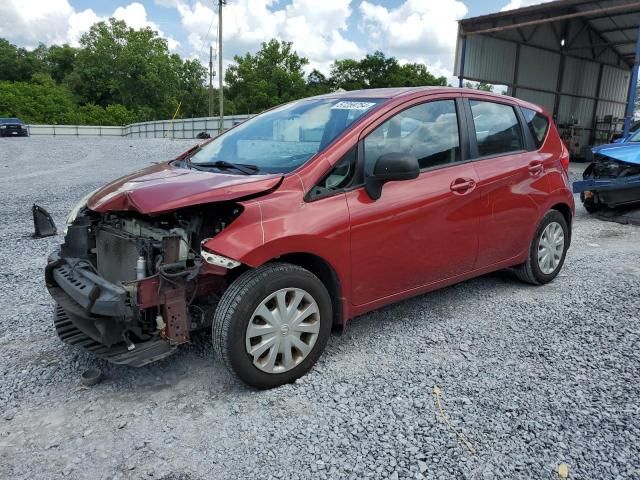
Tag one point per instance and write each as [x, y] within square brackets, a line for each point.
[415, 26]
[135, 15]
[415, 31]
[315, 28]
[167, 3]
[30, 22]
[513, 4]
[80, 23]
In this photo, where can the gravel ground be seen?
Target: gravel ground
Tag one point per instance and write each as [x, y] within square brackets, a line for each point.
[532, 377]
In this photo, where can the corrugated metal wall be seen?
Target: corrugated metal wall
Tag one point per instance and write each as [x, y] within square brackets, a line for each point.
[490, 59]
[580, 77]
[536, 74]
[575, 110]
[543, 99]
[609, 108]
[538, 69]
[615, 83]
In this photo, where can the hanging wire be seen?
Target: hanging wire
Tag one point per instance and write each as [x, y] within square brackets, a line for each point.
[205, 42]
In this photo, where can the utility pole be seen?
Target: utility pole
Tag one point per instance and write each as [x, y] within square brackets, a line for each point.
[220, 72]
[211, 74]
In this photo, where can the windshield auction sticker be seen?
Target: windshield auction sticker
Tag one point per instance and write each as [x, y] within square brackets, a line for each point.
[353, 106]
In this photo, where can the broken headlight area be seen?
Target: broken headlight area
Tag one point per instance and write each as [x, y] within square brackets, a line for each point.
[131, 287]
[609, 183]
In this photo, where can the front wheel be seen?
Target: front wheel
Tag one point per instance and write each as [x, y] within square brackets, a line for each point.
[589, 203]
[547, 251]
[272, 324]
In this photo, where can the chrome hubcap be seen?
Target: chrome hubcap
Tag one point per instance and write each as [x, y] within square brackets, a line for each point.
[550, 248]
[283, 330]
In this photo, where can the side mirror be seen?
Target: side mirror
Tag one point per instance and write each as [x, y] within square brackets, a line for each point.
[42, 223]
[390, 167]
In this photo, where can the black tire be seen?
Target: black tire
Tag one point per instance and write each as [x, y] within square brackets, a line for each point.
[530, 271]
[236, 307]
[589, 204]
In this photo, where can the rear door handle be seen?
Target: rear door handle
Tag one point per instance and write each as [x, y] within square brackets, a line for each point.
[462, 185]
[536, 167]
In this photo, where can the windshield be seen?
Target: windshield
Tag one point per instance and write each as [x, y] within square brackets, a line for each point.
[282, 139]
[635, 137]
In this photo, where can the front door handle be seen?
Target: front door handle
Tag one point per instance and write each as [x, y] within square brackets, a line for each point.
[462, 185]
[536, 167]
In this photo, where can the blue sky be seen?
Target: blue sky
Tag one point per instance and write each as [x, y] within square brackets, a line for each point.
[321, 30]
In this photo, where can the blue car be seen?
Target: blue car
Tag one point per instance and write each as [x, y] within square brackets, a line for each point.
[620, 138]
[612, 179]
[13, 127]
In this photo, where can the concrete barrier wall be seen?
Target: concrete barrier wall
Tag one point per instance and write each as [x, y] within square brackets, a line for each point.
[76, 130]
[179, 128]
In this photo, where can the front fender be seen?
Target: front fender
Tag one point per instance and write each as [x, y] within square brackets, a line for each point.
[282, 224]
[244, 235]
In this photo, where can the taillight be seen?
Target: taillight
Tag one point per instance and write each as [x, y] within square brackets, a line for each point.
[564, 158]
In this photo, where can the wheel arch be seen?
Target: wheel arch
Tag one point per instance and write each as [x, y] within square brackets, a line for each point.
[566, 212]
[327, 275]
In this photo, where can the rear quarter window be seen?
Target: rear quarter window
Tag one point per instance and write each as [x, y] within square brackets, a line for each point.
[538, 125]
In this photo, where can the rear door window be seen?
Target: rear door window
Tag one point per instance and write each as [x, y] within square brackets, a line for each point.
[497, 128]
[538, 125]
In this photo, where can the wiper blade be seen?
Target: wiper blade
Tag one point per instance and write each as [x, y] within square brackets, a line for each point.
[241, 167]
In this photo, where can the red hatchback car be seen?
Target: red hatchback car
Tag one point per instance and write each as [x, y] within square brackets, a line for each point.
[306, 216]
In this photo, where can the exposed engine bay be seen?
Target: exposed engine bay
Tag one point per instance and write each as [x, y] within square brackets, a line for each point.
[609, 182]
[131, 283]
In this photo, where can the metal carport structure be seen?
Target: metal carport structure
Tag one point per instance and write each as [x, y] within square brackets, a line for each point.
[577, 58]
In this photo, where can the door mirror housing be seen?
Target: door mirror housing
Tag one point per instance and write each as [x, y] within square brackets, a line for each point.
[390, 167]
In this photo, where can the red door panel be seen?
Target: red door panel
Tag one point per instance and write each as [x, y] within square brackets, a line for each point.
[418, 232]
[511, 189]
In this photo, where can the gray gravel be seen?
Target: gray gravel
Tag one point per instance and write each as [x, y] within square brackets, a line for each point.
[531, 376]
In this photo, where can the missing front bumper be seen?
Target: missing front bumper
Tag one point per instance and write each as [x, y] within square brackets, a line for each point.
[97, 315]
[144, 353]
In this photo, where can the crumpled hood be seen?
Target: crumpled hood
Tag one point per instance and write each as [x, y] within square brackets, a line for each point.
[624, 152]
[164, 187]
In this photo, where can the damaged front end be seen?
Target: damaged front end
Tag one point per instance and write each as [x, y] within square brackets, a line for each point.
[612, 179]
[131, 287]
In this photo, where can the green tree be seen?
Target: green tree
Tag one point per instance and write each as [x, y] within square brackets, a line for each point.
[417, 75]
[317, 83]
[39, 102]
[119, 65]
[17, 64]
[272, 76]
[348, 75]
[485, 87]
[60, 61]
[378, 71]
[42, 101]
[192, 93]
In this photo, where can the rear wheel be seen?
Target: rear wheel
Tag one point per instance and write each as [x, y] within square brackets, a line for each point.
[547, 251]
[272, 324]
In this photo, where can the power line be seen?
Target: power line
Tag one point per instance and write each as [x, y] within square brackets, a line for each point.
[205, 40]
[220, 71]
